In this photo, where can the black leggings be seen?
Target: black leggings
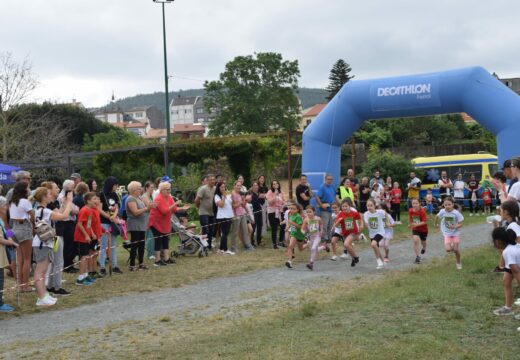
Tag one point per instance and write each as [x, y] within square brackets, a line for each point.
[137, 246]
[70, 249]
[396, 212]
[161, 241]
[473, 207]
[259, 222]
[225, 225]
[275, 223]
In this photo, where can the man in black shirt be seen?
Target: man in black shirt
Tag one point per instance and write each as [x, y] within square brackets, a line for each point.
[303, 192]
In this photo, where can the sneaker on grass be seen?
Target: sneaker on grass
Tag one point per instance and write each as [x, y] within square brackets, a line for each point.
[504, 310]
[459, 266]
[380, 264]
[47, 300]
[517, 316]
[83, 282]
[6, 308]
[62, 292]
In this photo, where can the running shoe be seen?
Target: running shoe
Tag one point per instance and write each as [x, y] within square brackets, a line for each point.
[344, 256]
[380, 264]
[459, 266]
[288, 264]
[62, 292]
[334, 258]
[143, 267]
[47, 300]
[517, 302]
[355, 260]
[117, 270]
[423, 250]
[229, 252]
[504, 310]
[310, 266]
[82, 282]
[418, 260]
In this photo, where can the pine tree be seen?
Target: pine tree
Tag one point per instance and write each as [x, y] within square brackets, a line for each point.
[339, 76]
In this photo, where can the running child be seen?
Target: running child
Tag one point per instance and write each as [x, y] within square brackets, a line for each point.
[86, 232]
[487, 200]
[336, 231]
[395, 196]
[418, 223]
[294, 225]
[376, 229]
[505, 241]
[312, 226]
[389, 235]
[509, 213]
[451, 222]
[428, 199]
[348, 219]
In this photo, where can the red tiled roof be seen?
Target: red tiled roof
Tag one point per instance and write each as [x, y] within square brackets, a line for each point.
[314, 110]
[129, 125]
[188, 128]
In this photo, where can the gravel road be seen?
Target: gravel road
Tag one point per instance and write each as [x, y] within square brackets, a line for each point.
[223, 292]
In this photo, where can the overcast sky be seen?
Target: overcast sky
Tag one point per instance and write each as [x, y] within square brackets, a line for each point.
[85, 49]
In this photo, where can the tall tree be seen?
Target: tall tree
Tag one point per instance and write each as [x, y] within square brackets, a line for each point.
[339, 76]
[255, 94]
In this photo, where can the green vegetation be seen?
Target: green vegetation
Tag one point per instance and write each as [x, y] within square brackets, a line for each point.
[339, 76]
[255, 94]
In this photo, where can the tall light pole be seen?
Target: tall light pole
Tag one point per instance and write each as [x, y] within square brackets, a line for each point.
[167, 168]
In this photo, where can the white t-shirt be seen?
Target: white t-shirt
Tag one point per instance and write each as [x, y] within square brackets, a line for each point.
[458, 189]
[515, 227]
[225, 212]
[511, 255]
[47, 218]
[375, 222]
[453, 217]
[448, 190]
[337, 229]
[20, 212]
[389, 230]
[515, 191]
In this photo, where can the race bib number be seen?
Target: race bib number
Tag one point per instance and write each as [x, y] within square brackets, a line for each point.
[449, 221]
[416, 219]
[313, 228]
[372, 222]
[349, 224]
[292, 229]
[89, 222]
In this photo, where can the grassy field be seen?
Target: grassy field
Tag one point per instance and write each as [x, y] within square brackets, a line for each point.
[189, 270]
[430, 312]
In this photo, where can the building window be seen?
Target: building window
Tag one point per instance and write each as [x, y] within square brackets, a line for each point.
[187, 111]
[200, 110]
[175, 112]
[138, 115]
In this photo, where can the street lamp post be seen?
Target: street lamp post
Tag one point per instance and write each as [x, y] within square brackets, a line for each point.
[166, 94]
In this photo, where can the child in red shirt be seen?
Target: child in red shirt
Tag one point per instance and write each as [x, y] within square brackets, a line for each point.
[88, 230]
[395, 196]
[348, 219]
[418, 222]
[486, 200]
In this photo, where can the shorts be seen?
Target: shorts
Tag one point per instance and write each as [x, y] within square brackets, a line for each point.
[422, 235]
[299, 237]
[336, 235]
[23, 231]
[45, 253]
[94, 245]
[429, 208]
[377, 238]
[448, 240]
[83, 249]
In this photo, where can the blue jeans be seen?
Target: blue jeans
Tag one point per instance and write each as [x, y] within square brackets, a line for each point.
[104, 245]
[150, 244]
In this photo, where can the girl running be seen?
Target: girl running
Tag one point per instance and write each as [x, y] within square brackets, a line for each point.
[312, 226]
[348, 220]
[451, 222]
[376, 229]
[509, 212]
[389, 235]
[336, 236]
[418, 222]
[294, 225]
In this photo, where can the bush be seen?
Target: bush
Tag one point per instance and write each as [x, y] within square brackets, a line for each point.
[388, 164]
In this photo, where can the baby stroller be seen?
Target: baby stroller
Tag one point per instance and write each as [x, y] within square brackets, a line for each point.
[191, 243]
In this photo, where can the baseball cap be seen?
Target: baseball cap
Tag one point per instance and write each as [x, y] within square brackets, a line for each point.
[75, 176]
[166, 178]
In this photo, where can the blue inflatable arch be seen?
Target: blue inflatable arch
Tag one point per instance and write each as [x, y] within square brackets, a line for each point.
[472, 90]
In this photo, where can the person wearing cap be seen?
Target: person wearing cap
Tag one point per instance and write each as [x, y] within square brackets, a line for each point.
[76, 178]
[511, 170]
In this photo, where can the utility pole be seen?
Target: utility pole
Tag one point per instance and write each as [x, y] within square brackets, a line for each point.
[289, 164]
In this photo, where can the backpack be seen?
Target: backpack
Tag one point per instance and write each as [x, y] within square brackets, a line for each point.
[44, 231]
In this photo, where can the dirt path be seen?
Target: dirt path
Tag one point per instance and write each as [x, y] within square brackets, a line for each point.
[212, 296]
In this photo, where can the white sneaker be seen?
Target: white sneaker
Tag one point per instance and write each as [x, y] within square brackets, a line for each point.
[517, 302]
[459, 266]
[229, 252]
[380, 264]
[344, 256]
[334, 258]
[152, 257]
[470, 214]
[46, 301]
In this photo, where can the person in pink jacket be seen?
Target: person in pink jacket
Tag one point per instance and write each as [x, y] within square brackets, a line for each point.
[159, 222]
[275, 201]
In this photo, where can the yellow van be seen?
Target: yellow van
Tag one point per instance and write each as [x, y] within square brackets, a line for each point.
[429, 169]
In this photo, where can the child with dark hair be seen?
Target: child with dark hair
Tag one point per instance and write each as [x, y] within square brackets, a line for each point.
[505, 241]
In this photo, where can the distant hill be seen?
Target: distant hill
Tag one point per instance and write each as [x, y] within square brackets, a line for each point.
[308, 96]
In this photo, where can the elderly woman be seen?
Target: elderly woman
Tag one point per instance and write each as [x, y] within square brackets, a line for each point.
[22, 218]
[159, 222]
[66, 229]
[137, 223]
